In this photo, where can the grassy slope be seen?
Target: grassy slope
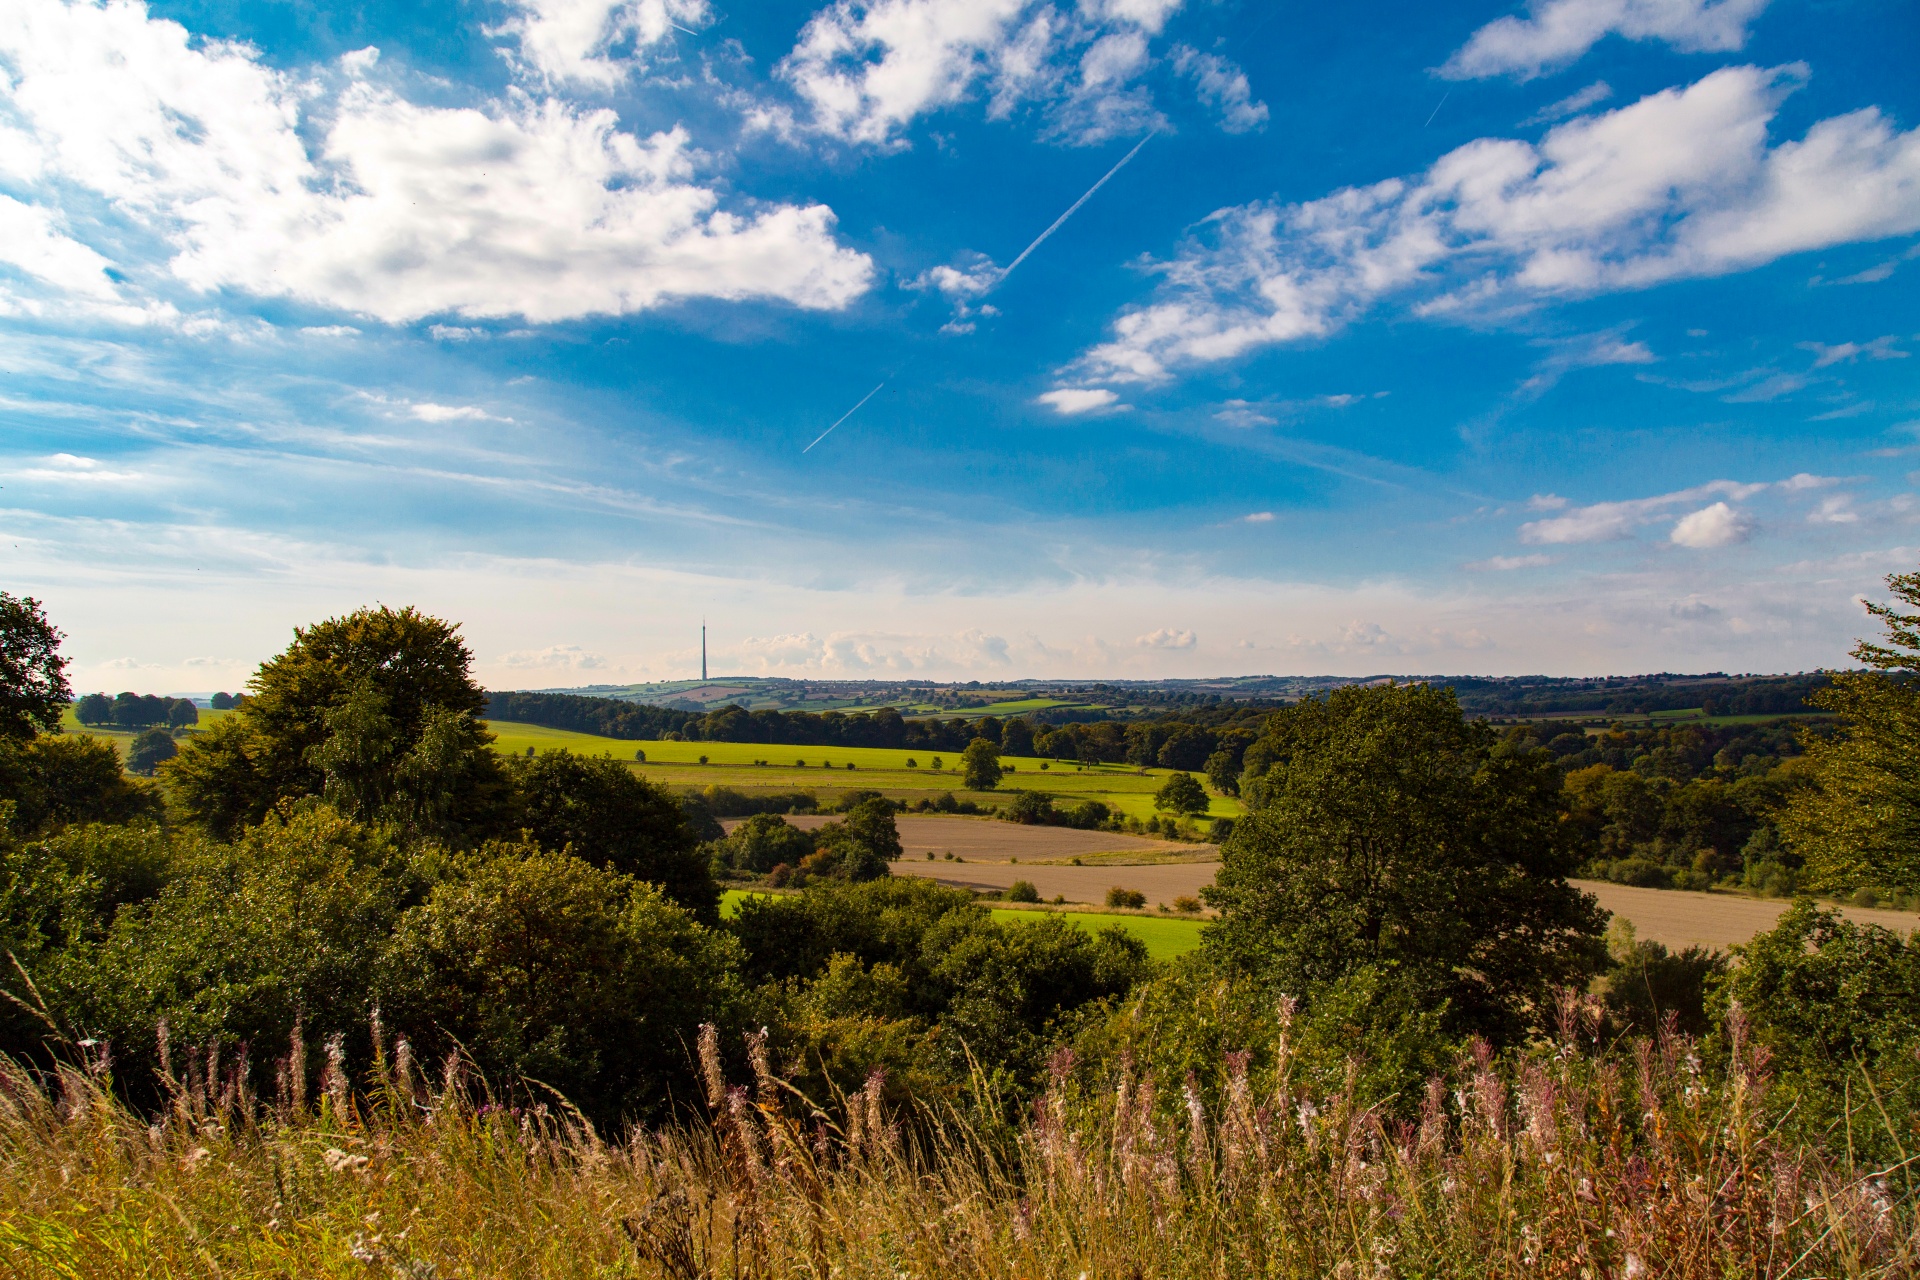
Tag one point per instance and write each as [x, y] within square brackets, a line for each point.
[120, 738]
[731, 764]
[1165, 939]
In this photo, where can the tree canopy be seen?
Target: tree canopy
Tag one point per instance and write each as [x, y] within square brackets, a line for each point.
[1392, 834]
[980, 765]
[33, 674]
[1859, 825]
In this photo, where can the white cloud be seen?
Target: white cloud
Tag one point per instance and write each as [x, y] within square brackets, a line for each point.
[1606, 521]
[330, 331]
[1546, 502]
[866, 69]
[1716, 526]
[1506, 564]
[527, 206]
[427, 411]
[1167, 638]
[1573, 104]
[594, 42]
[1880, 348]
[1222, 85]
[560, 657]
[30, 241]
[1835, 509]
[1680, 184]
[1559, 32]
[1072, 400]
[1259, 517]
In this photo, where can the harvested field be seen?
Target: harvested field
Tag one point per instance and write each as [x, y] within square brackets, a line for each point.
[993, 841]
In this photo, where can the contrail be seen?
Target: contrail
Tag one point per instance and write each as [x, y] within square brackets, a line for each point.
[1039, 239]
[1436, 109]
[843, 417]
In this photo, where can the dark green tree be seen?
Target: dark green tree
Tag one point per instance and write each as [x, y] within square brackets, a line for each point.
[1016, 737]
[1395, 834]
[609, 816]
[1859, 826]
[375, 710]
[95, 710]
[980, 765]
[33, 674]
[149, 748]
[182, 714]
[765, 841]
[56, 781]
[1181, 793]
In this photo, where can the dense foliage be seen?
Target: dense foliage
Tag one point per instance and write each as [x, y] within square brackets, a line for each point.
[33, 675]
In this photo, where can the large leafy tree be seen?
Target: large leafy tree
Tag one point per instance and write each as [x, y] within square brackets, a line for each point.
[980, 765]
[1392, 834]
[1860, 824]
[375, 711]
[33, 674]
[610, 817]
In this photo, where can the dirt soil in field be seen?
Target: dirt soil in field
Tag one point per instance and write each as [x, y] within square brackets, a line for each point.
[990, 840]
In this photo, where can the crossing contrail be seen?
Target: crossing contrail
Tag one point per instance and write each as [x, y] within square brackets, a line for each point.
[1008, 269]
[1041, 238]
[843, 417]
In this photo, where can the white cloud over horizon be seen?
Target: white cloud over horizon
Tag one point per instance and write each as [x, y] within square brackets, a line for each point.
[1683, 183]
[594, 42]
[1071, 401]
[524, 206]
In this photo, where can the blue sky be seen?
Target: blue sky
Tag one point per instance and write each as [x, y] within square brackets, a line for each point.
[1567, 338]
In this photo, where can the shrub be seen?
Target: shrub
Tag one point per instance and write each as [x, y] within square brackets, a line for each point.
[149, 749]
[764, 842]
[1186, 905]
[1030, 808]
[1022, 891]
[1125, 899]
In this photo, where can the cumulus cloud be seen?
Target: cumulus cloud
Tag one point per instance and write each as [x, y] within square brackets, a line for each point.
[593, 42]
[1259, 517]
[1682, 183]
[1716, 526]
[1607, 521]
[356, 199]
[866, 69]
[1556, 33]
[1069, 401]
[1167, 638]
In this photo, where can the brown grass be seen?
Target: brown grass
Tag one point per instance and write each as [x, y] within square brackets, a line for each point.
[1566, 1164]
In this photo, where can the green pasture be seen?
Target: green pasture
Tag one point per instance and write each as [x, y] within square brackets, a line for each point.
[121, 738]
[1124, 788]
[1165, 939]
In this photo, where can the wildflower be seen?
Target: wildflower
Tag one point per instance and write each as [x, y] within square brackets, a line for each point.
[1634, 1268]
[343, 1161]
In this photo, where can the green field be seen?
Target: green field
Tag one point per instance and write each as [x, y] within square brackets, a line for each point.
[1165, 939]
[120, 738]
[1122, 787]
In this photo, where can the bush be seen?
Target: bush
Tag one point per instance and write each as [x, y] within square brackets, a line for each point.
[542, 967]
[1022, 891]
[1030, 808]
[1088, 815]
[763, 842]
[1125, 899]
[1186, 905]
[54, 780]
[1649, 984]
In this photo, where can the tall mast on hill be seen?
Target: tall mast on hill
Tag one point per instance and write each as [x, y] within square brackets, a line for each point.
[703, 651]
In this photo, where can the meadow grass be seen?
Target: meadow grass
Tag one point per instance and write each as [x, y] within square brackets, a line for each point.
[123, 738]
[1568, 1161]
[1165, 938]
[1124, 788]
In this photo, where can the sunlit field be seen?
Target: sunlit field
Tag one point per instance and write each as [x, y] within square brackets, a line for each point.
[121, 737]
[752, 767]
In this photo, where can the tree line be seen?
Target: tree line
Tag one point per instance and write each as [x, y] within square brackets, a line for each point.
[348, 842]
[135, 711]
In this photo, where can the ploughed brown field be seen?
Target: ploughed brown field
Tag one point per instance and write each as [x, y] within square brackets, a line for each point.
[1671, 916]
[995, 841]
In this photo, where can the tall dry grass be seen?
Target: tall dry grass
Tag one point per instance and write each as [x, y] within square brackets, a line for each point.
[1571, 1162]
